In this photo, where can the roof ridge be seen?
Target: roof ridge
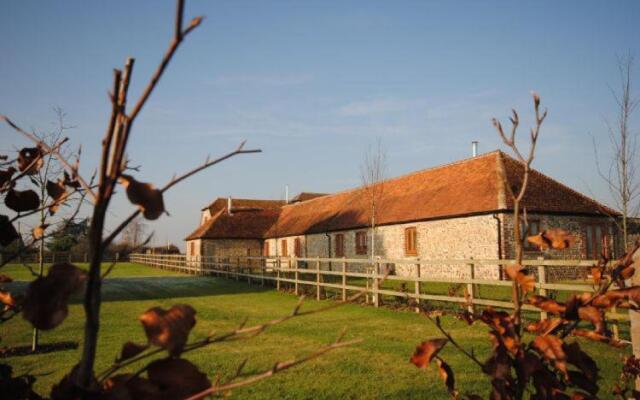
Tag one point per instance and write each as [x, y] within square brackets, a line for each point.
[497, 151]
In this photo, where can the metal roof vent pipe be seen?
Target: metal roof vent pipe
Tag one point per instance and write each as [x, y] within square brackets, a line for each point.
[474, 148]
[229, 205]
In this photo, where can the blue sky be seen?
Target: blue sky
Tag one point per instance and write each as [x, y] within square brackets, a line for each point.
[313, 83]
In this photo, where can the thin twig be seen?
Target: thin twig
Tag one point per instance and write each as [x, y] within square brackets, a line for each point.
[56, 153]
[174, 181]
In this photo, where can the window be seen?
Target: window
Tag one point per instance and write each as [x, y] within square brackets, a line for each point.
[339, 242]
[410, 241]
[265, 249]
[192, 250]
[595, 240]
[283, 248]
[297, 247]
[534, 229]
[361, 242]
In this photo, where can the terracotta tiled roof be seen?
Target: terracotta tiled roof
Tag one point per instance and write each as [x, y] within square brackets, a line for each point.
[545, 194]
[241, 224]
[221, 203]
[304, 196]
[471, 186]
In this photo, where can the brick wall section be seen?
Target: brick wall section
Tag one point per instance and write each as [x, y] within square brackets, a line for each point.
[575, 225]
[226, 247]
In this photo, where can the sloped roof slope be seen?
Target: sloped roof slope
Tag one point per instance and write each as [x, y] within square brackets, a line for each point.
[221, 203]
[250, 224]
[476, 185]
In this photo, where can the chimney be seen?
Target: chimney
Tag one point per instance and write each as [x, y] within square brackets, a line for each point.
[286, 194]
[474, 148]
[229, 205]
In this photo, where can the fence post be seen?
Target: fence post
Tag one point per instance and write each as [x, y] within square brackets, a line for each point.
[542, 279]
[297, 276]
[471, 287]
[238, 269]
[263, 267]
[249, 271]
[317, 278]
[417, 285]
[376, 284]
[344, 280]
[278, 262]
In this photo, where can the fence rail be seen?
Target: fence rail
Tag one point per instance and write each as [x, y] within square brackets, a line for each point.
[342, 275]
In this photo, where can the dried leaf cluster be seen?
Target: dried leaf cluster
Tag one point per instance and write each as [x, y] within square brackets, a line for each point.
[549, 363]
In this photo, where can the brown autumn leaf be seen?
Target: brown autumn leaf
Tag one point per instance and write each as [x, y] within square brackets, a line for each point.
[530, 364]
[177, 378]
[559, 238]
[539, 241]
[5, 178]
[130, 350]
[426, 351]
[8, 232]
[7, 299]
[555, 238]
[595, 316]
[446, 374]
[513, 270]
[581, 360]
[544, 326]
[498, 366]
[517, 273]
[30, 160]
[45, 302]
[550, 347]
[597, 337]
[67, 389]
[71, 181]
[580, 381]
[548, 305]
[144, 195]
[614, 297]
[503, 329]
[38, 232]
[58, 192]
[627, 272]
[21, 201]
[170, 328]
[5, 278]
[129, 387]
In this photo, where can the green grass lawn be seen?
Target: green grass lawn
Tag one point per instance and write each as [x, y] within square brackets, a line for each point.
[376, 368]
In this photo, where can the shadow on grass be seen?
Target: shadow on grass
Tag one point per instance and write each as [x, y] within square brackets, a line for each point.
[161, 287]
[22, 351]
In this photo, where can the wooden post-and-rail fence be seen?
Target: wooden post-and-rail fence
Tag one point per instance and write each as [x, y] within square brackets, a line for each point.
[343, 275]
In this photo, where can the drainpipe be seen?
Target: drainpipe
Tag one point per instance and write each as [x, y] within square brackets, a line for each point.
[499, 227]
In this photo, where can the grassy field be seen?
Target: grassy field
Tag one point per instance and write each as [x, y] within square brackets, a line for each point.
[376, 368]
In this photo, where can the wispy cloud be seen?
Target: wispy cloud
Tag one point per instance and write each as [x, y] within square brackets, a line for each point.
[380, 106]
[262, 80]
